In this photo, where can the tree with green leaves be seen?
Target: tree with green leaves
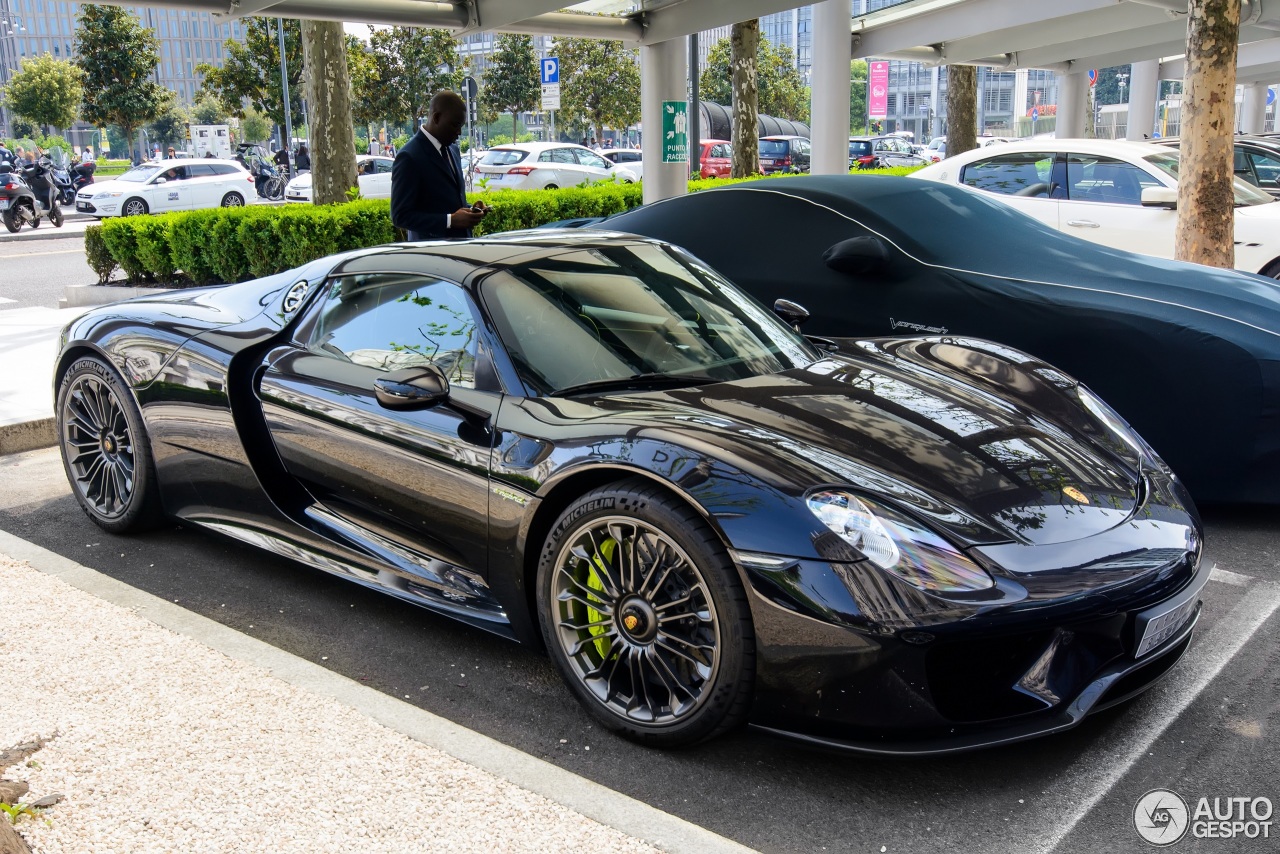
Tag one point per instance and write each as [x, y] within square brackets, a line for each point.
[250, 74]
[368, 96]
[413, 63]
[209, 111]
[170, 127]
[600, 81]
[118, 57]
[254, 126]
[859, 77]
[782, 92]
[511, 84]
[46, 90]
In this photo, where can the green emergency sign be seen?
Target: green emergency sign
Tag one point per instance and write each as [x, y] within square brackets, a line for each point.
[675, 131]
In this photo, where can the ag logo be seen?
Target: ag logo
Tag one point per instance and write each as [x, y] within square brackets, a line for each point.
[1161, 817]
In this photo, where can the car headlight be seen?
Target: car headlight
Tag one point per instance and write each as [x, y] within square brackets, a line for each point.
[106, 195]
[898, 544]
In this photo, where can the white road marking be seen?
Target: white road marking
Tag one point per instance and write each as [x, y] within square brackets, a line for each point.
[1079, 789]
[1226, 576]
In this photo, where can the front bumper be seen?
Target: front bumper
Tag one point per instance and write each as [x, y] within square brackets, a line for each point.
[907, 687]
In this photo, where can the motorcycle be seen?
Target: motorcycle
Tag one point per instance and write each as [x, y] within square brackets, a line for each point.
[60, 175]
[268, 182]
[82, 175]
[27, 195]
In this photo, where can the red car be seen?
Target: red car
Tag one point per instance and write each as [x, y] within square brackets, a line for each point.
[716, 158]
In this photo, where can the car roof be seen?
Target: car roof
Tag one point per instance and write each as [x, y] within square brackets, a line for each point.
[785, 136]
[1110, 147]
[537, 146]
[186, 161]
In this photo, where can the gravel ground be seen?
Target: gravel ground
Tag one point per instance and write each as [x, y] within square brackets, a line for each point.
[165, 745]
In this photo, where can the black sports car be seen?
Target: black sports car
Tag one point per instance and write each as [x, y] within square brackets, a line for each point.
[594, 442]
[1189, 355]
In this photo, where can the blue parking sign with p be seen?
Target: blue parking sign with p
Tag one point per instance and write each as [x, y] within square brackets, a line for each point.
[551, 70]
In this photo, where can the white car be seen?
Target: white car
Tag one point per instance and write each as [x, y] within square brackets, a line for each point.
[626, 157]
[1111, 192]
[545, 166]
[373, 174]
[160, 186]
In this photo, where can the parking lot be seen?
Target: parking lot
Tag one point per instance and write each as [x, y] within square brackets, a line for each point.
[1203, 732]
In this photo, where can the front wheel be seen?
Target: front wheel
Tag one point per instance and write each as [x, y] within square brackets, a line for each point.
[134, 207]
[105, 450]
[55, 216]
[643, 614]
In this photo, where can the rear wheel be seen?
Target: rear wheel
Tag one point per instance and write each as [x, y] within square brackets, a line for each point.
[105, 450]
[11, 220]
[134, 207]
[1272, 270]
[233, 200]
[552, 187]
[643, 613]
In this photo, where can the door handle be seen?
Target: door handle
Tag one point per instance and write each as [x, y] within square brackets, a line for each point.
[1083, 223]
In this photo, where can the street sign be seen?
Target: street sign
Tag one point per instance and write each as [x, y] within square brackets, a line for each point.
[924, 108]
[1035, 114]
[1271, 97]
[675, 131]
[878, 97]
[550, 69]
[1093, 76]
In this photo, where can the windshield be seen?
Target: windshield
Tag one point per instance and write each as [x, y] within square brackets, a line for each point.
[640, 310]
[141, 173]
[1167, 162]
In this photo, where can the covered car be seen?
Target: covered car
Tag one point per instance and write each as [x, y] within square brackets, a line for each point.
[1189, 355]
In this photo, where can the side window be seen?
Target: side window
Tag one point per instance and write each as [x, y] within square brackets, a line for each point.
[544, 157]
[719, 150]
[382, 165]
[590, 158]
[803, 145]
[562, 155]
[1267, 168]
[388, 322]
[1022, 174]
[199, 170]
[1101, 179]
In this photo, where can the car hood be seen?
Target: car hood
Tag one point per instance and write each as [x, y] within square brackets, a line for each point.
[113, 187]
[1010, 460]
[1268, 212]
[301, 182]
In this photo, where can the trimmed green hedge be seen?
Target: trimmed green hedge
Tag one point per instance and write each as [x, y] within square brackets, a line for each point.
[234, 244]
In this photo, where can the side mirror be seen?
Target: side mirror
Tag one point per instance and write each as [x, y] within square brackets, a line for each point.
[162, 180]
[856, 255]
[420, 387]
[1160, 197]
[792, 312]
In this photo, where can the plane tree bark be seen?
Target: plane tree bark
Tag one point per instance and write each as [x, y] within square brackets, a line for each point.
[962, 109]
[1206, 204]
[744, 42]
[333, 154]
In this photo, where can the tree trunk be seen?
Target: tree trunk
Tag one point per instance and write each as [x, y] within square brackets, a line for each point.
[745, 42]
[1206, 213]
[515, 122]
[962, 108]
[328, 86]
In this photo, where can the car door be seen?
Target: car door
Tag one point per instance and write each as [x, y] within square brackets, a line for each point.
[564, 171]
[593, 166]
[1104, 206]
[1026, 180]
[1263, 170]
[206, 185]
[415, 478]
[377, 183]
[169, 191]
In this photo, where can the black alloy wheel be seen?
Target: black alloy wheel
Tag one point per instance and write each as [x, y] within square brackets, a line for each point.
[12, 221]
[105, 450]
[55, 217]
[643, 613]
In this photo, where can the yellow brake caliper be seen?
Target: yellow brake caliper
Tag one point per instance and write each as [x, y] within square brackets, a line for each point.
[607, 549]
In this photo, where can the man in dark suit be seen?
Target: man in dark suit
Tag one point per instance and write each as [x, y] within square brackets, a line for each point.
[428, 196]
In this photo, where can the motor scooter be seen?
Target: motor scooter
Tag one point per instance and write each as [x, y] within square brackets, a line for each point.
[60, 175]
[27, 195]
[82, 174]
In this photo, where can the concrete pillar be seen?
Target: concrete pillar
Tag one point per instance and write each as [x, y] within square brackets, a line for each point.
[830, 86]
[1144, 92]
[1073, 105]
[1253, 112]
[663, 74]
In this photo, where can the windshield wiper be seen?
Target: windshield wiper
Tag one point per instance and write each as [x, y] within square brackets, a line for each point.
[639, 381]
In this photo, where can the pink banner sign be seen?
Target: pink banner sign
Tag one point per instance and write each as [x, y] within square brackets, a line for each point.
[878, 98]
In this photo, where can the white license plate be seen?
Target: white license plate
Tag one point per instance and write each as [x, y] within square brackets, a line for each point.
[1156, 625]
[4, 204]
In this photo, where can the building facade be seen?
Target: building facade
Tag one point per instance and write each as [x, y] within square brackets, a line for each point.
[30, 28]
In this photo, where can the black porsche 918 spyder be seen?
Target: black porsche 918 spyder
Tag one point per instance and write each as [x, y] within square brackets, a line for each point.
[594, 442]
[1189, 355]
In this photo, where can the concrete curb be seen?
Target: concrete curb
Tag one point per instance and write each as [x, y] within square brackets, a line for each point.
[28, 436]
[591, 799]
